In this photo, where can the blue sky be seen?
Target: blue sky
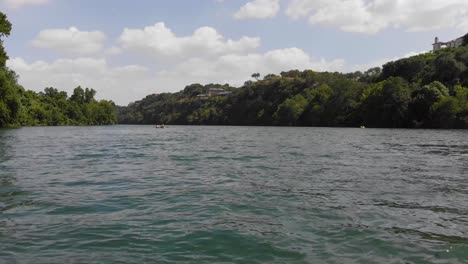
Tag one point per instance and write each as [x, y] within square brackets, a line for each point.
[128, 49]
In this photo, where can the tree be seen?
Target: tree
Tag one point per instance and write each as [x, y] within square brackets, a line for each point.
[386, 104]
[371, 75]
[194, 90]
[256, 76]
[270, 77]
[89, 95]
[444, 113]
[290, 110]
[408, 68]
[397, 95]
[422, 101]
[78, 95]
[291, 74]
[447, 68]
[318, 99]
[5, 29]
[9, 88]
[9, 97]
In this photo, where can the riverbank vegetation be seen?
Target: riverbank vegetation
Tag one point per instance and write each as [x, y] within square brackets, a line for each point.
[424, 91]
[19, 107]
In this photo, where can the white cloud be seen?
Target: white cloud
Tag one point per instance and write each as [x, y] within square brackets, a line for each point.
[258, 9]
[113, 51]
[70, 40]
[160, 41]
[372, 16]
[13, 4]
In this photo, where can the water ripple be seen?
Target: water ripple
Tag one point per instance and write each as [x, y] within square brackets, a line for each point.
[134, 194]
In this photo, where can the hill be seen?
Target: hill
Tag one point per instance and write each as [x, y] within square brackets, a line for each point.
[424, 91]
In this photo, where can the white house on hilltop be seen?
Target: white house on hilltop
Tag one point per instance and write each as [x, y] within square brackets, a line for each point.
[450, 44]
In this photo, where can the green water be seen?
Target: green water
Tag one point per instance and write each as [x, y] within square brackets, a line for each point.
[136, 194]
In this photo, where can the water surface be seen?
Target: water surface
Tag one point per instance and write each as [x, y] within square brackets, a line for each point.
[136, 194]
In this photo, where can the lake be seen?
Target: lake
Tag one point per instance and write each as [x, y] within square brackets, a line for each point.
[187, 194]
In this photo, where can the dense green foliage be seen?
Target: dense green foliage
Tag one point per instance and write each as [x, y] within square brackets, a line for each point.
[427, 90]
[5, 30]
[55, 108]
[19, 107]
[52, 107]
[9, 103]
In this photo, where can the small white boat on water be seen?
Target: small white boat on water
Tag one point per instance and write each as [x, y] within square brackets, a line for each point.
[160, 126]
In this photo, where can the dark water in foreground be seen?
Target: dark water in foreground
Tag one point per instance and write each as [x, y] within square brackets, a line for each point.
[233, 195]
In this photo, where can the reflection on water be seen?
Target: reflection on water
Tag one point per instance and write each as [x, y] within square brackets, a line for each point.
[233, 195]
[12, 197]
[8, 190]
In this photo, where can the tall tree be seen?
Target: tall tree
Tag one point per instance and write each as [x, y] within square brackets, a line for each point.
[9, 99]
[5, 29]
[89, 95]
[256, 76]
[447, 68]
[78, 95]
[423, 100]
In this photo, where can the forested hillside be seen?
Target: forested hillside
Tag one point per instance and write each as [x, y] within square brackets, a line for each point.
[424, 91]
[19, 107]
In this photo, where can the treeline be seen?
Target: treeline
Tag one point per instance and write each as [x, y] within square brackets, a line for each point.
[424, 91]
[52, 107]
[55, 108]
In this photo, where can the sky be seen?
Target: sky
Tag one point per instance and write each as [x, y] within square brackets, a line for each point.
[126, 50]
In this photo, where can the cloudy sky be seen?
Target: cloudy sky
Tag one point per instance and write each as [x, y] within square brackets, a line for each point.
[128, 49]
